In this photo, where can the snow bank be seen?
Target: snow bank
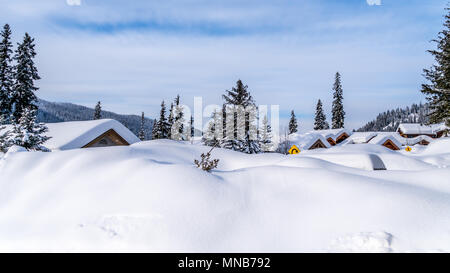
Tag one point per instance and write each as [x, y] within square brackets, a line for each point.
[150, 197]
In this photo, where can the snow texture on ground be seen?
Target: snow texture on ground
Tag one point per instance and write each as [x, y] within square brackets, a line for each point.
[150, 197]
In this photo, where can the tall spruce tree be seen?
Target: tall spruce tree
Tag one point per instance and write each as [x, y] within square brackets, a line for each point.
[438, 91]
[142, 128]
[155, 130]
[337, 111]
[25, 73]
[170, 120]
[192, 129]
[4, 136]
[212, 135]
[177, 128]
[293, 125]
[162, 126]
[6, 73]
[265, 133]
[98, 111]
[320, 118]
[241, 133]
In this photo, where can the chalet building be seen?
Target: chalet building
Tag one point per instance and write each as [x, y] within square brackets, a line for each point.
[88, 134]
[309, 141]
[412, 130]
[388, 140]
[334, 136]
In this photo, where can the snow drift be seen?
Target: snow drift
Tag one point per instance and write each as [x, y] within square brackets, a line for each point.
[150, 197]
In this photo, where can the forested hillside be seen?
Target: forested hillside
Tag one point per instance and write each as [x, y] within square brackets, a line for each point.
[58, 112]
[388, 121]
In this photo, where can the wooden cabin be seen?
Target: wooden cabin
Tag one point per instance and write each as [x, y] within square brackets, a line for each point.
[391, 145]
[412, 130]
[88, 134]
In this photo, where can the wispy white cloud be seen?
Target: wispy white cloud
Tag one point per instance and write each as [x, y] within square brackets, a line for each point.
[73, 2]
[287, 54]
[374, 2]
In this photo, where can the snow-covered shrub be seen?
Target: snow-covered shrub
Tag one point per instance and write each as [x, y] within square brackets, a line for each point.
[206, 163]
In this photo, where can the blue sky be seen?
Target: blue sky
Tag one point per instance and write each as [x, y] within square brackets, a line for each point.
[132, 54]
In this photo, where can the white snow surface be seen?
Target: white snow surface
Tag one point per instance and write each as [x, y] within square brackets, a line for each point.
[415, 128]
[149, 197]
[76, 134]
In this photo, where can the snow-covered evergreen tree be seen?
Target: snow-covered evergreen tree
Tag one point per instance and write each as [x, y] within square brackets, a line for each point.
[337, 111]
[155, 129]
[4, 136]
[6, 73]
[438, 91]
[293, 125]
[25, 73]
[191, 127]
[320, 122]
[177, 128]
[162, 126]
[27, 132]
[142, 128]
[98, 111]
[212, 135]
[241, 132]
[170, 120]
[265, 133]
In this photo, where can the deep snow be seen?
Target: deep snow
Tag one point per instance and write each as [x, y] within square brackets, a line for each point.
[150, 197]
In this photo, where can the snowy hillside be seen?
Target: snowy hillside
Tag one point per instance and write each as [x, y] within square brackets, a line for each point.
[150, 197]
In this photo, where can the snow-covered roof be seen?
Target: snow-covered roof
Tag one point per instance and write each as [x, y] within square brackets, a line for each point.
[382, 137]
[76, 134]
[359, 138]
[418, 129]
[333, 133]
[305, 141]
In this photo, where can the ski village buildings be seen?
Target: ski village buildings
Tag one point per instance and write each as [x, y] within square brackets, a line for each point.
[108, 132]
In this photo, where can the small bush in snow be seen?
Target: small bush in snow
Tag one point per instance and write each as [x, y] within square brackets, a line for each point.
[206, 163]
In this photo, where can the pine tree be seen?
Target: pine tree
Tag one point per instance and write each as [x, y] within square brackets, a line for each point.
[27, 132]
[98, 111]
[155, 130]
[266, 135]
[6, 73]
[293, 125]
[438, 91]
[170, 120]
[211, 137]
[338, 113]
[25, 73]
[142, 128]
[4, 136]
[162, 126]
[320, 118]
[177, 128]
[241, 132]
[192, 129]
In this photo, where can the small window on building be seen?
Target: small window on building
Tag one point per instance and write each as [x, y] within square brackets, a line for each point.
[103, 142]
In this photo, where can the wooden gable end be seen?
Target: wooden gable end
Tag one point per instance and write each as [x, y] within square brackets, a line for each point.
[317, 144]
[342, 137]
[109, 138]
[389, 144]
[331, 141]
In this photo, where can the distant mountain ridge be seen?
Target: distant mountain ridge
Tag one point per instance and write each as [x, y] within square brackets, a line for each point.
[388, 121]
[58, 112]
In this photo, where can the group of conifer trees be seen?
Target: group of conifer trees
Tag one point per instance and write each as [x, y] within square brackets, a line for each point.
[172, 126]
[18, 108]
[320, 119]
